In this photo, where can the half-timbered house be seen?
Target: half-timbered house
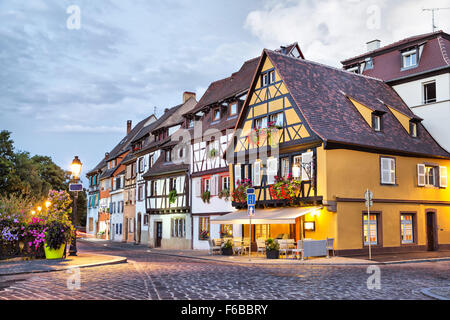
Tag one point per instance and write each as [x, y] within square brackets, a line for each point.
[93, 197]
[311, 139]
[167, 189]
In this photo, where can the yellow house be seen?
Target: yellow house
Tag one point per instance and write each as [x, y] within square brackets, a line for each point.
[311, 139]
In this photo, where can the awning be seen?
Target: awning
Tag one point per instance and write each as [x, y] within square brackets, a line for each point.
[286, 215]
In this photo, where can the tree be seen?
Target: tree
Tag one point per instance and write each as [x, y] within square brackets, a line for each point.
[6, 159]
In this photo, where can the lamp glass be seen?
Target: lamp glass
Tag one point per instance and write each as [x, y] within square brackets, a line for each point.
[76, 167]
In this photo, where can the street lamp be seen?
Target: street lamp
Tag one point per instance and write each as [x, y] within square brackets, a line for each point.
[76, 170]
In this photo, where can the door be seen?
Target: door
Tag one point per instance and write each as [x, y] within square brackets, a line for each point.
[431, 231]
[158, 234]
[138, 236]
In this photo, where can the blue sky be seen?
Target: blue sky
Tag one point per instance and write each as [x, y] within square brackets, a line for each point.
[69, 92]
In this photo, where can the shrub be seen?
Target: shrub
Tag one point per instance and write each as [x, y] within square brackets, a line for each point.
[271, 244]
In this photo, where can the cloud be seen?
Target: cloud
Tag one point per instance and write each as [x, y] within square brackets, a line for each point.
[84, 129]
[329, 31]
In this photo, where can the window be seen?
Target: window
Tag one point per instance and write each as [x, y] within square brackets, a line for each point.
[226, 183]
[151, 160]
[207, 185]
[265, 79]
[376, 122]
[276, 119]
[271, 76]
[226, 230]
[387, 170]
[307, 166]
[237, 174]
[130, 225]
[153, 190]
[430, 176]
[191, 123]
[353, 69]
[409, 58]
[272, 170]
[141, 165]
[146, 219]
[285, 168]
[369, 64]
[179, 227]
[297, 168]
[216, 114]
[140, 192]
[257, 173]
[261, 123]
[429, 92]
[373, 229]
[203, 228]
[262, 231]
[407, 228]
[233, 109]
[413, 129]
[168, 155]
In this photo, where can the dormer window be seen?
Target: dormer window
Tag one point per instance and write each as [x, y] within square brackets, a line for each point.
[369, 64]
[409, 58]
[265, 79]
[376, 122]
[232, 109]
[168, 156]
[413, 129]
[271, 76]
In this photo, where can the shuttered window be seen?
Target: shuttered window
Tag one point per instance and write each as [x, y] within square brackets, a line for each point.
[443, 177]
[214, 185]
[387, 170]
[272, 170]
[198, 187]
[421, 175]
[257, 173]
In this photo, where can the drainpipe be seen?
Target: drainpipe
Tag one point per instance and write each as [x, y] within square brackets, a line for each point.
[188, 175]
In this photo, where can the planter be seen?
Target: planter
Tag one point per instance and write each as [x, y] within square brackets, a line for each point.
[272, 254]
[54, 254]
[227, 251]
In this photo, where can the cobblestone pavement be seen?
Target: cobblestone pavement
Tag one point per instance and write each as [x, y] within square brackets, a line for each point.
[155, 276]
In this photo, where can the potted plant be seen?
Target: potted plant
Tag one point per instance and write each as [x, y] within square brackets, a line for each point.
[100, 234]
[272, 249]
[56, 237]
[227, 248]
[224, 193]
[212, 153]
[172, 196]
[206, 196]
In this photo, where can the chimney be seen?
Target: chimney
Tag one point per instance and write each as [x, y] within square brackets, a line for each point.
[166, 109]
[187, 95]
[373, 45]
[283, 49]
[128, 126]
[106, 155]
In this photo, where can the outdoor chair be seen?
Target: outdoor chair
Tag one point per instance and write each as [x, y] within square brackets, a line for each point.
[218, 242]
[284, 248]
[298, 250]
[245, 245]
[330, 242]
[261, 246]
[237, 246]
[213, 248]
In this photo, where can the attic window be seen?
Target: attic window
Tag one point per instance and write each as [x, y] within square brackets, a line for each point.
[265, 79]
[376, 122]
[413, 129]
[168, 155]
[233, 109]
[271, 77]
[369, 64]
[353, 69]
[409, 58]
[216, 114]
[190, 123]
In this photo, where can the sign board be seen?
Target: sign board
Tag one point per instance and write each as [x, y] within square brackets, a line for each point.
[369, 203]
[368, 195]
[251, 211]
[75, 187]
[251, 199]
[250, 190]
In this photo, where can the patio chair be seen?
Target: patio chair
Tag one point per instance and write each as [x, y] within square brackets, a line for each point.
[218, 242]
[245, 245]
[284, 248]
[237, 246]
[261, 246]
[213, 248]
[298, 250]
[330, 242]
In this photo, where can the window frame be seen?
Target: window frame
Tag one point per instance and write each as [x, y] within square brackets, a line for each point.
[379, 231]
[424, 92]
[230, 106]
[409, 53]
[204, 224]
[374, 118]
[394, 183]
[413, 223]
[214, 111]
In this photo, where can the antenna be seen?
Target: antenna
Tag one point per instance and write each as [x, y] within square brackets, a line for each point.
[432, 15]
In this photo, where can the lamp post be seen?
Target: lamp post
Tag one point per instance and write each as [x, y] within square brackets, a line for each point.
[76, 170]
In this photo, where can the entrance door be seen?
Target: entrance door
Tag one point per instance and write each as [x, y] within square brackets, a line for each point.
[431, 231]
[158, 234]
[139, 219]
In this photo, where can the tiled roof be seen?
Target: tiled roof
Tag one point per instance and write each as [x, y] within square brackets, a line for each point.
[161, 167]
[98, 167]
[175, 116]
[318, 91]
[387, 59]
[226, 88]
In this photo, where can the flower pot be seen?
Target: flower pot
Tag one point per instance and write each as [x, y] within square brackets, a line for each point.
[227, 251]
[272, 254]
[54, 254]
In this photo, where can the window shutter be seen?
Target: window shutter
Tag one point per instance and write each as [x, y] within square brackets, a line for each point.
[421, 175]
[387, 171]
[198, 187]
[443, 177]
[272, 170]
[213, 185]
[257, 173]
[237, 173]
[307, 166]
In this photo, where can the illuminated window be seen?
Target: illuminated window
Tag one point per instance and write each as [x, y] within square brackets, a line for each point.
[203, 228]
[226, 230]
[407, 230]
[373, 229]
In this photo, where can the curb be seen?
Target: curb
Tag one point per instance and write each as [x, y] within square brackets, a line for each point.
[115, 260]
[306, 264]
[427, 292]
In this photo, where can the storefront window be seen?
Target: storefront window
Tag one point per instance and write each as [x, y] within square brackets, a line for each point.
[262, 231]
[373, 229]
[226, 230]
[203, 228]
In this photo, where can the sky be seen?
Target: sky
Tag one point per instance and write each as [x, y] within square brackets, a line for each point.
[73, 72]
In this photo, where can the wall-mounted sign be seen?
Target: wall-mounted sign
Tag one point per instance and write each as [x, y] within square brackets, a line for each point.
[309, 225]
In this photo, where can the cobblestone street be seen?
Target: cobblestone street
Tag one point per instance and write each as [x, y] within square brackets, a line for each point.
[155, 276]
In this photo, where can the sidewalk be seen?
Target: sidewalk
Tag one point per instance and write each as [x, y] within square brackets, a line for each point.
[82, 260]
